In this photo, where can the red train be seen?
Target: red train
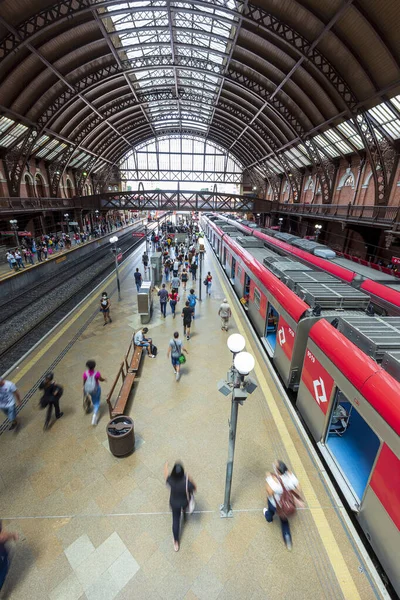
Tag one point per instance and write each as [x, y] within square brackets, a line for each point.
[330, 352]
[383, 296]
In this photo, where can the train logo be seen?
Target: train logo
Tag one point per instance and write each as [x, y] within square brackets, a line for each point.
[320, 397]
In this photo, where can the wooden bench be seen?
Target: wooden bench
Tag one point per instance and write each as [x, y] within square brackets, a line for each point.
[125, 377]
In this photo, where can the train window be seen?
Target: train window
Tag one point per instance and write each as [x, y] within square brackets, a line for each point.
[257, 298]
[352, 443]
[238, 272]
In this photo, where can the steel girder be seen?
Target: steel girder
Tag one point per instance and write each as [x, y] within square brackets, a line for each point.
[56, 169]
[171, 200]
[16, 159]
[180, 175]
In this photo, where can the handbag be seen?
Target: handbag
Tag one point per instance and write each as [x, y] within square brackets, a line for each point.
[191, 501]
[182, 357]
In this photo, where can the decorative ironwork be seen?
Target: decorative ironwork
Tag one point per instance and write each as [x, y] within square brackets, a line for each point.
[82, 175]
[56, 169]
[16, 159]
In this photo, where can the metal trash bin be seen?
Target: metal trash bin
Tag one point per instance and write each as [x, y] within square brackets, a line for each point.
[121, 435]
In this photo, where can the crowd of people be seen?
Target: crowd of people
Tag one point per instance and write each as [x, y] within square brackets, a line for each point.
[35, 250]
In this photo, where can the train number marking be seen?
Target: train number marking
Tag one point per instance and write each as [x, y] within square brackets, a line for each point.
[319, 396]
[281, 336]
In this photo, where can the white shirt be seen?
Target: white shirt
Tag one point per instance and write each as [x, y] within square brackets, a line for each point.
[139, 337]
[290, 482]
[7, 398]
[176, 266]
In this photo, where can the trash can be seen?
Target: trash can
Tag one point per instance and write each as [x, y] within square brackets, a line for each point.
[121, 435]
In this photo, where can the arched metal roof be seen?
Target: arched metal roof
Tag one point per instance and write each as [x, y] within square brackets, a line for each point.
[256, 78]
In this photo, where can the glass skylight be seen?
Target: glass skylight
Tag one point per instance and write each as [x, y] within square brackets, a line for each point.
[12, 134]
[179, 47]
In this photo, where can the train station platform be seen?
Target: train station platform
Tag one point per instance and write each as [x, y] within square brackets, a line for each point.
[94, 527]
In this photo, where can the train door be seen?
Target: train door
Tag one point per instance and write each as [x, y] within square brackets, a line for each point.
[271, 328]
[352, 444]
[224, 261]
[233, 269]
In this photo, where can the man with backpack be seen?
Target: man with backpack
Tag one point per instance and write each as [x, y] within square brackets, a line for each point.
[192, 298]
[140, 340]
[283, 491]
[91, 387]
[52, 393]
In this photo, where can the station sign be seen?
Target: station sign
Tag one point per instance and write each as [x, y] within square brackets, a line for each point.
[19, 233]
[285, 337]
[396, 260]
[317, 380]
[119, 257]
[136, 234]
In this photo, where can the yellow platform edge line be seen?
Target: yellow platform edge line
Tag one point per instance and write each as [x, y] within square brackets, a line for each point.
[342, 573]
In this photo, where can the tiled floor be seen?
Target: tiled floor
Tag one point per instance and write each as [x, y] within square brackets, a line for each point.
[95, 527]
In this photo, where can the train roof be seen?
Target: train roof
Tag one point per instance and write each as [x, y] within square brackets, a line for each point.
[365, 271]
[377, 386]
[291, 303]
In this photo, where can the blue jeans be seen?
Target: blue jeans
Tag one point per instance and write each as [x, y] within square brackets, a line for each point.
[10, 412]
[96, 398]
[269, 515]
[163, 306]
[138, 286]
[172, 304]
[209, 288]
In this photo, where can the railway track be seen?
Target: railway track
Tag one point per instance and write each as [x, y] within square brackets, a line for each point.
[28, 316]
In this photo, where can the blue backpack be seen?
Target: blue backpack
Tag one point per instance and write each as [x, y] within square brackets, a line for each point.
[192, 299]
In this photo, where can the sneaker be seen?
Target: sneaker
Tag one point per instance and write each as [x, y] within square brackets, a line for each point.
[177, 376]
[288, 542]
[188, 337]
[264, 510]
[94, 419]
[60, 415]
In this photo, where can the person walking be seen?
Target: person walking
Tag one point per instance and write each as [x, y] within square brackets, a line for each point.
[175, 349]
[282, 486]
[225, 313]
[187, 314]
[91, 386]
[182, 490]
[166, 271]
[10, 260]
[193, 268]
[184, 278]
[192, 298]
[18, 258]
[9, 400]
[52, 393]
[138, 279]
[5, 537]
[173, 299]
[105, 306]
[145, 261]
[163, 295]
[175, 283]
[208, 282]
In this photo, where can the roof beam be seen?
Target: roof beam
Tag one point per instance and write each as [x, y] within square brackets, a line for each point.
[346, 4]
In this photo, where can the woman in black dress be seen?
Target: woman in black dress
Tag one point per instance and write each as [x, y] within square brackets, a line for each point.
[182, 488]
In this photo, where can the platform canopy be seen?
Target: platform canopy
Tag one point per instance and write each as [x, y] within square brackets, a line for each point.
[279, 85]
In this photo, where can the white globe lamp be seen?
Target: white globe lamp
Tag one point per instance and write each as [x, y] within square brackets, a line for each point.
[244, 363]
[236, 343]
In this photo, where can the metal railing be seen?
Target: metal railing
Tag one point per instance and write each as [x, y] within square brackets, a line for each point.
[384, 215]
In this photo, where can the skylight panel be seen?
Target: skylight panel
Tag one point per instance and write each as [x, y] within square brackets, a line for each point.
[13, 134]
[40, 141]
[387, 118]
[5, 123]
[396, 102]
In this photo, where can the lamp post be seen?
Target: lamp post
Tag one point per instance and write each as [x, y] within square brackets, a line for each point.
[115, 250]
[317, 229]
[14, 227]
[66, 217]
[280, 221]
[242, 364]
